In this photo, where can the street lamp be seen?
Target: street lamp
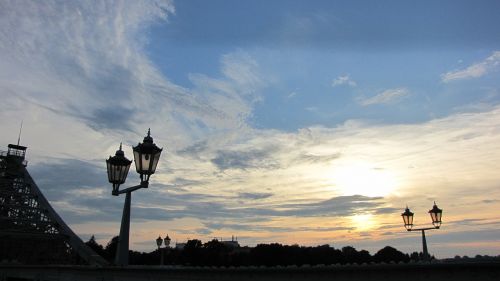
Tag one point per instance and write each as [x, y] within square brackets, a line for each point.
[158, 243]
[146, 156]
[436, 215]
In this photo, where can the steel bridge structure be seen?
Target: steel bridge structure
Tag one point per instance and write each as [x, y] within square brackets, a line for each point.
[31, 231]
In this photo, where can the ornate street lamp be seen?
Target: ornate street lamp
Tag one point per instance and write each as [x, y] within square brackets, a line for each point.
[436, 215]
[158, 243]
[146, 156]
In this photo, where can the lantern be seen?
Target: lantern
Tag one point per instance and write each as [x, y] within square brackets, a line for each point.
[436, 215]
[158, 241]
[146, 156]
[118, 167]
[407, 218]
[167, 241]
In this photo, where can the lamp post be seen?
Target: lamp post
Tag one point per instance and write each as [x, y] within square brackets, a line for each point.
[436, 215]
[158, 243]
[146, 156]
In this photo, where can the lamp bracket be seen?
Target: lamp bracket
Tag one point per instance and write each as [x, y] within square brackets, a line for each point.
[425, 228]
[144, 184]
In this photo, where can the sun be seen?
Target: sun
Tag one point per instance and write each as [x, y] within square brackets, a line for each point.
[363, 222]
[361, 178]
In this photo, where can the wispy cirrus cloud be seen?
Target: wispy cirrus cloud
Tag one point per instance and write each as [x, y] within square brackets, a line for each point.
[475, 70]
[344, 80]
[96, 80]
[386, 97]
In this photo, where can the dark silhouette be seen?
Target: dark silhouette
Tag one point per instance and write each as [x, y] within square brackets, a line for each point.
[216, 253]
[31, 230]
[98, 248]
[390, 254]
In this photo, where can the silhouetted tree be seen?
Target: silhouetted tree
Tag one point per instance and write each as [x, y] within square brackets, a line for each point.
[98, 248]
[388, 254]
[191, 253]
[215, 253]
[364, 257]
[110, 249]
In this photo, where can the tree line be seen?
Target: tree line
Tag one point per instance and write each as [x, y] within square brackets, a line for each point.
[215, 253]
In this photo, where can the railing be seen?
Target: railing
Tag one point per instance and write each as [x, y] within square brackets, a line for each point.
[4, 154]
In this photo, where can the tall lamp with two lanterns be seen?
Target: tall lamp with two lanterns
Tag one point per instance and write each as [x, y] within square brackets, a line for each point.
[146, 157]
[159, 240]
[436, 215]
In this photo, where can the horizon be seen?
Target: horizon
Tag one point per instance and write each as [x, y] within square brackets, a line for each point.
[281, 121]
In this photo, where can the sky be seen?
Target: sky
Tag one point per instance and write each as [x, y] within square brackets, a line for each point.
[298, 122]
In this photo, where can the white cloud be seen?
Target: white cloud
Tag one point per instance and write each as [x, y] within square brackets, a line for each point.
[343, 80]
[475, 70]
[79, 70]
[387, 96]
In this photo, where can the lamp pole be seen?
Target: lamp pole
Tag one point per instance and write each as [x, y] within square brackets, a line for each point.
[146, 156]
[436, 215]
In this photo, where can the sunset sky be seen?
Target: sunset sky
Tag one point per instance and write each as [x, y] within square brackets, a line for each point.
[298, 122]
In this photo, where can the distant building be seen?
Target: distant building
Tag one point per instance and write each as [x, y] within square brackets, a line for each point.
[180, 246]
[231, 244]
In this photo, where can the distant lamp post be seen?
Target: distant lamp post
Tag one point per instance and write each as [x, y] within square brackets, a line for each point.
[158, 243]
[436, 215]
[146, 156]
[159, 240]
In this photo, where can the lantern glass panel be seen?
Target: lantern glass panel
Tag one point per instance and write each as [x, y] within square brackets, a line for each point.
[143, 163]
[156, 158]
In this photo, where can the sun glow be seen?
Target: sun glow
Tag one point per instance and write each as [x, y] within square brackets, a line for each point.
[363, 222]
[363, 179]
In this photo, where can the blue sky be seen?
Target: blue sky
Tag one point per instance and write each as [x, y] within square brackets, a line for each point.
[306, 122]
[304, 47]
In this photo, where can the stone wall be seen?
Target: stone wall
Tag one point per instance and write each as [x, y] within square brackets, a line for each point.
[386, 272]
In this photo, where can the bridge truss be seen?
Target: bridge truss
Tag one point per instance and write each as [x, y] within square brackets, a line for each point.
[31, 232]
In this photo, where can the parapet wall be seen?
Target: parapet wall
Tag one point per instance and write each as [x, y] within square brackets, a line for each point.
[386, 272]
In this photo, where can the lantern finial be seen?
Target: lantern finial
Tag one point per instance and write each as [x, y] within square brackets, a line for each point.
[120, 152]
[148, 138]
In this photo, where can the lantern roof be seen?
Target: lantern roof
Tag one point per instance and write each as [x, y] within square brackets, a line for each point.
[147, 145]
[119, 158]
[435, 209]
[407, 212]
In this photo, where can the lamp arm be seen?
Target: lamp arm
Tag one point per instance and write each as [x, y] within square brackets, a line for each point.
[425, 228]
[143, 184]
